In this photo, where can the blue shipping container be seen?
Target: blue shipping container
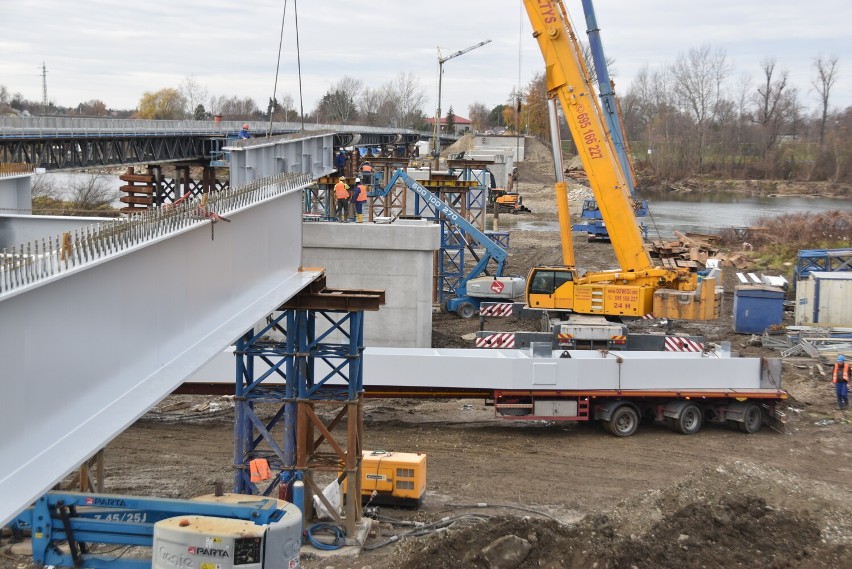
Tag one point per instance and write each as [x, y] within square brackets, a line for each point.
[756, 308]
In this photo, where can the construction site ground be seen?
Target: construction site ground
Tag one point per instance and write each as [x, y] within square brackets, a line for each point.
[571, 495]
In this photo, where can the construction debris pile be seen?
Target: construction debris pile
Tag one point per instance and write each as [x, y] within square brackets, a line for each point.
[691, 250]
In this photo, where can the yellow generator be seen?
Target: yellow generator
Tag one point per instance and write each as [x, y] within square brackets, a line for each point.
[397, 478]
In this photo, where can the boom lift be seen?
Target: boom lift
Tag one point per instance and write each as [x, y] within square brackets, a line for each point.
[213, 531]
[591, 213]
[638, 287]
[473, 288]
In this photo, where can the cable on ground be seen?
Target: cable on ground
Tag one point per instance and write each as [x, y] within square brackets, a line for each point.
[330, 529]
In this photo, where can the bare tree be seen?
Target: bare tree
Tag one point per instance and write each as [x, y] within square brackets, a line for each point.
[478, 114]
[408, 97]
[90, 193]
[193, 92]
[234, 108]
[826, 69]
[775, 101]
[697, 86]
[373, 106]
[43, 187]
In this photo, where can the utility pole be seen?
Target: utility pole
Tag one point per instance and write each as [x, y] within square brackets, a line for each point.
[436, 148]
[43, 87]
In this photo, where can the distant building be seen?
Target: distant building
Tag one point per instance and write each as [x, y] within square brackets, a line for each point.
[462, 125]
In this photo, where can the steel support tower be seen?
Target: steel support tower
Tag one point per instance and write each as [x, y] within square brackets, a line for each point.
[305, 364]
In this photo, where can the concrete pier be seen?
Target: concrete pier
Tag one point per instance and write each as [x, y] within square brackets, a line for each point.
[397, 258]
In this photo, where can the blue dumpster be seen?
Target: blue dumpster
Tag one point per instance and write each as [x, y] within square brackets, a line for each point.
[756, 308]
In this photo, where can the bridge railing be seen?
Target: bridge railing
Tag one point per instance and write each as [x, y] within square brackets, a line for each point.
[30, 263]
[23, 127]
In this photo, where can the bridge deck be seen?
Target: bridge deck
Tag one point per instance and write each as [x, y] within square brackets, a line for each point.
[93, 336]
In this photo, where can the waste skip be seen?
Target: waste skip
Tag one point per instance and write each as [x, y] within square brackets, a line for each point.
[756, 308]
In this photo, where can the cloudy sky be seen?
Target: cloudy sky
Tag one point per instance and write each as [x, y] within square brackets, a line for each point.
[116, 50]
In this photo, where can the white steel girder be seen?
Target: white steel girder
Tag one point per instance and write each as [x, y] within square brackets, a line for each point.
[88, 349]
[585, 370]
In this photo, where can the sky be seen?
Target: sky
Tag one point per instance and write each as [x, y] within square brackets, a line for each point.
[115, 51]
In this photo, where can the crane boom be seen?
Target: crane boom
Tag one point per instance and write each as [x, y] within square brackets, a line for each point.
[460, 52]
[568, 79]
[638, 287]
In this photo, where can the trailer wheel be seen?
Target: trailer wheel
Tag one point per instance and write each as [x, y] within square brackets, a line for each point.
[624, 421]
[690, 420]
[465, 310]
[752, 419]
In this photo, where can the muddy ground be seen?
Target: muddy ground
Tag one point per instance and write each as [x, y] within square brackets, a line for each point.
[558, 495]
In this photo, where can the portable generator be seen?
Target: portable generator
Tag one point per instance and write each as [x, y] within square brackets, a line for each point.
[397, 478]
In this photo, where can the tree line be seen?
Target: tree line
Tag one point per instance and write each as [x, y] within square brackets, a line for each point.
[697, 117]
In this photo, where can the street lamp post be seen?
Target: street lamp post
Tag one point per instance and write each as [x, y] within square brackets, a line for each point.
[436, 147]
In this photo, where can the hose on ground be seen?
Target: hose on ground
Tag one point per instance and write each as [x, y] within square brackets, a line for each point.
[425, 529]
[335, 532]
[507, 506]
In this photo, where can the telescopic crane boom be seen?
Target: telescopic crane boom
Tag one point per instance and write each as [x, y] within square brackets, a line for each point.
[638, 287]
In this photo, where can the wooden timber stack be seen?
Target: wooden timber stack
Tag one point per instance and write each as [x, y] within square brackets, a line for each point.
[138, 190]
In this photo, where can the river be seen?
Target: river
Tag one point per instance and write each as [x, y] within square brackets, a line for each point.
[708, 212]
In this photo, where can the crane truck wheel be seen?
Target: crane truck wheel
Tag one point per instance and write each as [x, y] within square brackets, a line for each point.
[624, 421]
[690, 420]
[465, 310]
[752, 419]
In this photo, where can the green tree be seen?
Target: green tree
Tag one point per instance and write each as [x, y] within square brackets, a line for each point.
[451, 121]
[166, 104]
[200, 113]
[336, 107]
[495, 118]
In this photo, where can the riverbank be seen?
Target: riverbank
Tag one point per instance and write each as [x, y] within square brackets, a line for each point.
[758, 188]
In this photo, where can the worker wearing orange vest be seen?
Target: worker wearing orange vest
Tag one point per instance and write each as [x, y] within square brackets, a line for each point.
[341, 193]
[367, 173]
[840, 379]
[359, 194]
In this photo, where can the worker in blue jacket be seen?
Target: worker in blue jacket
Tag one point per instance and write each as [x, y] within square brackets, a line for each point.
[244, 133]
[340, 162]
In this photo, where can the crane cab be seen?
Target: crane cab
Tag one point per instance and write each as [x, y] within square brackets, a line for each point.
[551, 287]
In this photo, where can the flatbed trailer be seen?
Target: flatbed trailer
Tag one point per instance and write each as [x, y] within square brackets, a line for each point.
[622, 390]
[622, 412]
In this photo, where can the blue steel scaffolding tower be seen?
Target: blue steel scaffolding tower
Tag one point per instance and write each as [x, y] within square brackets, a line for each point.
[310, 350]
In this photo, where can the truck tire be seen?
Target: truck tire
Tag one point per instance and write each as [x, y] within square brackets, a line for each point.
[466, 310]
[624, 421]
[752, 419]
[690, 420]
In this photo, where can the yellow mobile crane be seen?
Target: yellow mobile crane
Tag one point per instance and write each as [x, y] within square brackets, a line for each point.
[638, 287]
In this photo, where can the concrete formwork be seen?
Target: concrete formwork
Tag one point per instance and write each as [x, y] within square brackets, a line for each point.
[397, 258]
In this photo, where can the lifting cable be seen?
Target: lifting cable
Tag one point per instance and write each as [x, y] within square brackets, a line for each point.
[274, 101]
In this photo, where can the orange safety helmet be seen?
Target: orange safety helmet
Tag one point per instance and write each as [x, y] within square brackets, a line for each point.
[245, 126]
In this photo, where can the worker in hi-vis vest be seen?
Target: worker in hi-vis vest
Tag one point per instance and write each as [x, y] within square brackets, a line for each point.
[341, 193]
[840, 379]
[359, 195]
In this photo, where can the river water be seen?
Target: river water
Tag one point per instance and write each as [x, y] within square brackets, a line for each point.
[708, 212]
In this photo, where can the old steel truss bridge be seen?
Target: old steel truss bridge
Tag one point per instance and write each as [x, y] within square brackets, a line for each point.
[58, 143]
